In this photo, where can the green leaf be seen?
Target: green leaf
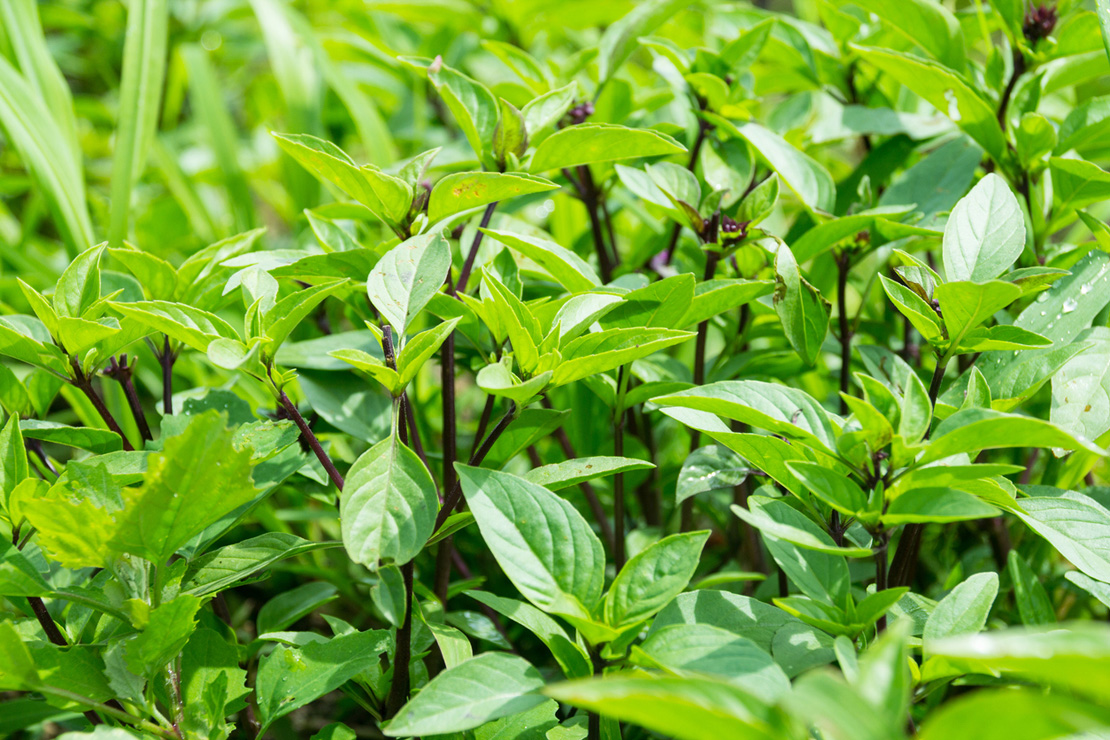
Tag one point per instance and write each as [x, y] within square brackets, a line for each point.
[546, 110]
[233, 563]
[45, 149]
[590, 143]
[407, 277]
[421, 347]
[158, 277]
[1074, 656]
[936, 505]
[839, 492]
[208, 662]
[682, 708]
[1013, 714]
[197, 479]
[703, 649]
[470, 102]
[388, 198]
[924, 24]
[714, 297]
[570, 270]
[511, 135]
[287, 313]
[170, 626]
[462, 191]
[372, 366]
[1076, 184]
[807, 178]
[977, 429]
[18, 576]
[79, 286]
[388, 506]
[497, 380]
[923, 316]
[557, 476]
[289, 678]
[17, 671]
[288, 607]
[97, 441]
[778, 519]
[13, 459]
[144, 70]
[605, 350]
[1033, 603]
[652, 577]
[804, 312]
[1075, 524]
[660, 304]
[946, 91]
[963, 611]
[190, 326]
[985, 232]
[484, 688]
[619, 40]
[542, 543]
[1081, 388]
[769, 406]
[567, 653]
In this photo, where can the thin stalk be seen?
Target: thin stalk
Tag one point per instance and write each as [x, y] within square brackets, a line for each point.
[587, 192]
[881, 581]
[455, 496]
[587, 490]
[695, 151]
[402, 656]
[120, 714]
[843, 267]
[618, 479]
[450, 449]
[35, 446]
[42, 614]
[1004, 101]
[313, 442]
[483, 422]
[167, 358]
[84, 384]
[468, 265]
[410, 417]
[904, 566]
[687, 520]
[121, 372]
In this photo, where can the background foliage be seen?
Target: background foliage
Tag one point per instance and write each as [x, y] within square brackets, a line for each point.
[554, 369]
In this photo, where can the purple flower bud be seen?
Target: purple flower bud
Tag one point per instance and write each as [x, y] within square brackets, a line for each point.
[1039, 22]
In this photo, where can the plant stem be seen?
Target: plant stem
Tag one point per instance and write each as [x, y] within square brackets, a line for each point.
[618, 479]
[587, 489]
[84, 384]
[167, 358]
[121, 372]
[843, 267]
[904, 566]
[410, 417]
[587, 191]
[42, 614]
[881, 572]
[687, 519]
[1004, 101]
[695, 151]
[313, 442]
[468, 265]
[455, 496]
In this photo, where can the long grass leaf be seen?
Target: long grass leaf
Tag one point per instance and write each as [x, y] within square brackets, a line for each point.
[208, 101]
[144, 69]
[33, 133]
